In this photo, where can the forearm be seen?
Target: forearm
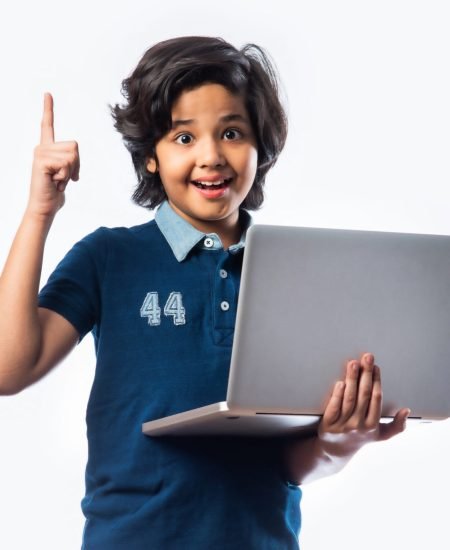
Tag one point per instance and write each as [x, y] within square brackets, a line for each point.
[306, 460]
[19, 286]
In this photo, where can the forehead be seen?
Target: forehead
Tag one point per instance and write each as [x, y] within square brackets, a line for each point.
[208, 98]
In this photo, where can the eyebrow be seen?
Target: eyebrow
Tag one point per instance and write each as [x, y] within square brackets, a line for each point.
[227, 118]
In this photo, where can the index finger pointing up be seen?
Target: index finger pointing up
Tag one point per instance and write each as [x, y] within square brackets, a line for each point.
[47, 132]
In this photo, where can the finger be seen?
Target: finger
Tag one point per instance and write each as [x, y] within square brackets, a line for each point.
[351, 389]
[376, 400]
[76, 168]
[333, 409]
[62, 175]
[72, 148]
[47, 131]
[396, 426]
[364, 386]
[65, 177]
[64, 166]
[70, 165]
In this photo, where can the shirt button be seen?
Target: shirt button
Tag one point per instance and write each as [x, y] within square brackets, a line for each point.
[208, 242]
[224, 306]
[223, 274]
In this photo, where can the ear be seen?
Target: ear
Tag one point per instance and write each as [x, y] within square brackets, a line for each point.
[152, 165]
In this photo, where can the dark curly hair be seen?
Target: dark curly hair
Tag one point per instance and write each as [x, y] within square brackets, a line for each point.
[170, 67]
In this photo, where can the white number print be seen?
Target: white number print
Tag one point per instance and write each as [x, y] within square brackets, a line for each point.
[173, 308]
[150, 308]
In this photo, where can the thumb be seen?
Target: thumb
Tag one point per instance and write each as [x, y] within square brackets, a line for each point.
[395, 427]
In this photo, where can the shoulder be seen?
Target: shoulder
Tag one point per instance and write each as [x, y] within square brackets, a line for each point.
[109, 247]
[110, 236]
[94, 251]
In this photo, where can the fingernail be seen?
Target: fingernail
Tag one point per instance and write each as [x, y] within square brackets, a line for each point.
[369, 358]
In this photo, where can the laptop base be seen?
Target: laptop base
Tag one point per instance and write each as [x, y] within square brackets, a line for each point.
[220, 419]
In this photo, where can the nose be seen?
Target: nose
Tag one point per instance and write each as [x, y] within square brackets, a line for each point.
[210, 153]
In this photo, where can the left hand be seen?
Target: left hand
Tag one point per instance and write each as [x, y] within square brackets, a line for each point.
[352, 415]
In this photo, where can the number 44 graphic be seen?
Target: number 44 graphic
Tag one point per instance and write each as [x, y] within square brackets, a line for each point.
[174, 308]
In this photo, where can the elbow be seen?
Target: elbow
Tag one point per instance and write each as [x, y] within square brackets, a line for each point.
[10, 388]
[11, 383]
[291, 477]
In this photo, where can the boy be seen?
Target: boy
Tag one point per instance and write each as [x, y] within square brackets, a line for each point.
[203, 124]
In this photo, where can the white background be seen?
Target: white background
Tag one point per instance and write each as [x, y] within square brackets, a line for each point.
[367, 87]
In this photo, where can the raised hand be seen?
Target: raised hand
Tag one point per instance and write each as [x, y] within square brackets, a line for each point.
[352, 415]
[54, 164]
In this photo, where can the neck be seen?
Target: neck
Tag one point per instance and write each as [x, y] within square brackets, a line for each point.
[229, 231]
[228, 228]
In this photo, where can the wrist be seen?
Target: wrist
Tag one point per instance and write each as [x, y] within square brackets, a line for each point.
[39, 219]
[308, 459]
[341, 446]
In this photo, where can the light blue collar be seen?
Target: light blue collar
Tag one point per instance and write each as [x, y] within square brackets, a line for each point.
[182, 236]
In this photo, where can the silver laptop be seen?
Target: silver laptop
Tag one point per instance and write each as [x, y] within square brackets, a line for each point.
[311, 299]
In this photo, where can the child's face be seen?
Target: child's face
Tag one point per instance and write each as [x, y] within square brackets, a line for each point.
[211, 141]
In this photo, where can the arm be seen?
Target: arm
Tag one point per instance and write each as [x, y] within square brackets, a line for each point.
[33, 340]
[351, 420]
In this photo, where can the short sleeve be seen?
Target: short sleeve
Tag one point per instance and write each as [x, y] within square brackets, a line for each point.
[74, 288]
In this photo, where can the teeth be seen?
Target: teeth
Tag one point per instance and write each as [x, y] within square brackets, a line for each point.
[205, 184]
[210, 183]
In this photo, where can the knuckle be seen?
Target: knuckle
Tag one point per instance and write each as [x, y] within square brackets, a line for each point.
[349, 399]
[377, 395]
[365, 395]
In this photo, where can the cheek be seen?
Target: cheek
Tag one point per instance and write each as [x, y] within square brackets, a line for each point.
[251, 164]
[175, 170]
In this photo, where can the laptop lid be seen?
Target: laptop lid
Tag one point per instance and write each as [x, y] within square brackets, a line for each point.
[311, 299]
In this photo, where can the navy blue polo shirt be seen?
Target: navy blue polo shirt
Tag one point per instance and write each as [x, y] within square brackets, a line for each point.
[160, 299]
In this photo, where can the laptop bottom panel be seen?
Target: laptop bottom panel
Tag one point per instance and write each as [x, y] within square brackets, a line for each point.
[219, 419]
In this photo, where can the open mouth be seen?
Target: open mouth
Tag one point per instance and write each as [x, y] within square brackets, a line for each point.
[209, 185]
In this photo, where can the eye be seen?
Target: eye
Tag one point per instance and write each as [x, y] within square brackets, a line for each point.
[183, 139]
[232, 133]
